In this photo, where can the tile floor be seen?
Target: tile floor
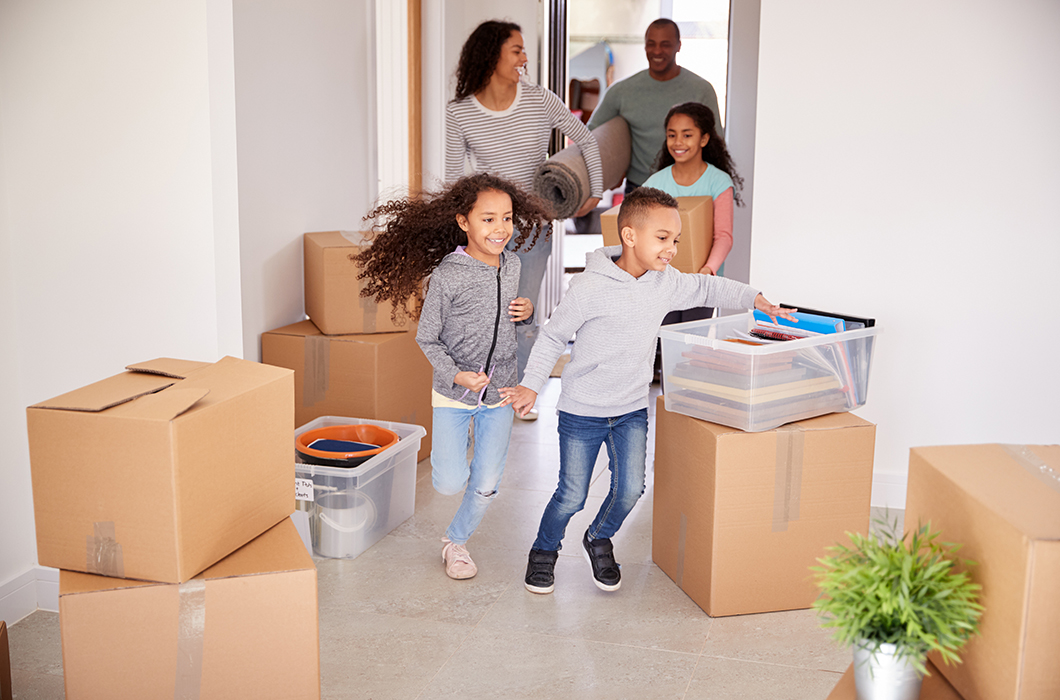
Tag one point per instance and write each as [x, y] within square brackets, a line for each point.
[393, 626]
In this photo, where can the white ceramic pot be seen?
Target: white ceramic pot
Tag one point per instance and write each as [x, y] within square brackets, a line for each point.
[881, 675]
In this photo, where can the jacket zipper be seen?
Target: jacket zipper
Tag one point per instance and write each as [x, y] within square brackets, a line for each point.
[496, 321]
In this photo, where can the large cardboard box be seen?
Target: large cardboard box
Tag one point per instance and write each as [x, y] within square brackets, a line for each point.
[935, 686]
[161, 471]
[739, 518]
[332, 291]
[383, 376]
[1002, 504]
[697, 232]
[244, 628]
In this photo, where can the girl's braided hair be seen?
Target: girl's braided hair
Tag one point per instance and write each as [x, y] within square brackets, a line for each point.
[714, 152]
[410, 236]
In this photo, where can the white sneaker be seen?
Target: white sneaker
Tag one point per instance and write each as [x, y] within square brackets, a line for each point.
[530, 416]
[458, 564]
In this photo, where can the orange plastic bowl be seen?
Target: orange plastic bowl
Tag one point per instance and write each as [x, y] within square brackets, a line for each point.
[372, 434]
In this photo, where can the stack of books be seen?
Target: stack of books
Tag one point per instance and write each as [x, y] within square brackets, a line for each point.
[774, 388]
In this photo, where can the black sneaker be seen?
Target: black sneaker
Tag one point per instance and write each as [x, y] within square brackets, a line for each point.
[601, 556]
[539, 571]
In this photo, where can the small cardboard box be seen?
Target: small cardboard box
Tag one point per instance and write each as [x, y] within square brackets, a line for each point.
[739, 518]
[1002, 504]
[383, 376]
[697, 232]
[935, 686]
[161, 471]
[244, 628]
[332, 291]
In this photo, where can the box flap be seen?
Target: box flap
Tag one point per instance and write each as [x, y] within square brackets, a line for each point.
[167, 405]
[168, 367]
[830, 421]
[302, 329]
[307, 329]
[1021, 483]
[109, 392]
[74, 582]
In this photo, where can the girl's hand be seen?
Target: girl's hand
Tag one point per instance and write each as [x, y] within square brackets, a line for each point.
[520, 309]
[521, 398]
[706, 271]
[475, 381]
[587, 207]
[772, 310]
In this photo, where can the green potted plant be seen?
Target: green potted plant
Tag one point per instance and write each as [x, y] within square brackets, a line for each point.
[894, 599]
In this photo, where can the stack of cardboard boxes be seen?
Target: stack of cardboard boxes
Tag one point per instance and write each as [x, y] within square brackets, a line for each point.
[163, 495]
[350, 358]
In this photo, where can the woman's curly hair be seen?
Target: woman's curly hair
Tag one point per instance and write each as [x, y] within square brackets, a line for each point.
[479, 56]
[410, 236]
[714, 152]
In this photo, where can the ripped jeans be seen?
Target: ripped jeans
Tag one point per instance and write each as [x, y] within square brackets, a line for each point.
[451, 472]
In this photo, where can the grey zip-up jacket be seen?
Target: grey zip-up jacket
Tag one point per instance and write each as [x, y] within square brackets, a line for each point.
[617, 317]
[465, 322]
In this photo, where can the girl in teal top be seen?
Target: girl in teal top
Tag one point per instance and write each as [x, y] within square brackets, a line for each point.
[695, 163]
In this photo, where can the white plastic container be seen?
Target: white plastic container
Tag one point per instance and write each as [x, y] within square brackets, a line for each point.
[352, 509]
[761, 387]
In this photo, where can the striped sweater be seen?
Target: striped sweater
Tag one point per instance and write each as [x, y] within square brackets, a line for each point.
[513, 143]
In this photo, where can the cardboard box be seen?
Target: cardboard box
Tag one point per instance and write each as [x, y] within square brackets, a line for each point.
[935, 686]
[384, 376]
[6, 691]
[739, 518]
[161, 471]
[332, 291]
[245, 628]
[1002, 504]
[697, 232]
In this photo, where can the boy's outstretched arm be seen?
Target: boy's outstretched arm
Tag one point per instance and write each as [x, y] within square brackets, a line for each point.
[772, 310]
[521, 398]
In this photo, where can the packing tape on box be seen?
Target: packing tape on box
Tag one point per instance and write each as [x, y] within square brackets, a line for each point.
[369, 309]
[788, 476]
[103, 552]
[1035, 465]
[682, 536]
[191, 625]
[315, 376]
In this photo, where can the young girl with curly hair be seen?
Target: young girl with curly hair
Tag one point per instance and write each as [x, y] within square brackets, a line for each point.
[466, 325]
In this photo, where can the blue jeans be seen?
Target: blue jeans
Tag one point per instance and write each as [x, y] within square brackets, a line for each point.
[451, 472]
[533, 263]
[626, 439]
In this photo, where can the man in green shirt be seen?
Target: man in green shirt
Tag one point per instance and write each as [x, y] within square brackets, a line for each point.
[643, 99]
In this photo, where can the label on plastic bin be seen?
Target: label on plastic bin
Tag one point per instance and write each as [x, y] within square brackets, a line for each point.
[303, 489]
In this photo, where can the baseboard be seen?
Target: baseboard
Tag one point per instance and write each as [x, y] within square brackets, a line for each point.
[888, 490]
[36, 588]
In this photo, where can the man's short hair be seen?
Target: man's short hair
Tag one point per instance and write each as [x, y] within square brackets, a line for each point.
[664, 22]
[639, 202]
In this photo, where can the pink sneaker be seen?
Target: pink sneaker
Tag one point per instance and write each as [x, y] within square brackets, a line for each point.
[458, 564]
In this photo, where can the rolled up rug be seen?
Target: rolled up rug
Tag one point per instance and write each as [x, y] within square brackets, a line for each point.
[563, 179]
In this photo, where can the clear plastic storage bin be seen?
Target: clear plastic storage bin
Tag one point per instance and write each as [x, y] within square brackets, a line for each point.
[760, 387]
[352, 509]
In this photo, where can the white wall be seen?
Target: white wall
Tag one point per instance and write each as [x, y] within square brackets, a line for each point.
[303, 111]
[906, 168]
[117, 222]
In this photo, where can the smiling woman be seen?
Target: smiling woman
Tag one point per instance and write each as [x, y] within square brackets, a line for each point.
[502, 123]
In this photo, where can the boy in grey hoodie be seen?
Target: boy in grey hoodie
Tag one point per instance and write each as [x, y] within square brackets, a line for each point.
[616, 308]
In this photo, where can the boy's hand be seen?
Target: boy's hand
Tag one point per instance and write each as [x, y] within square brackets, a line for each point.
[474, 381]
[521, 398]
[520, 309]
[772, 310]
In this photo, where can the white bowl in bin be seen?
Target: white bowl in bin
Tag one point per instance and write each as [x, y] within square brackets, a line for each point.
[353, 508]
[761, 387]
